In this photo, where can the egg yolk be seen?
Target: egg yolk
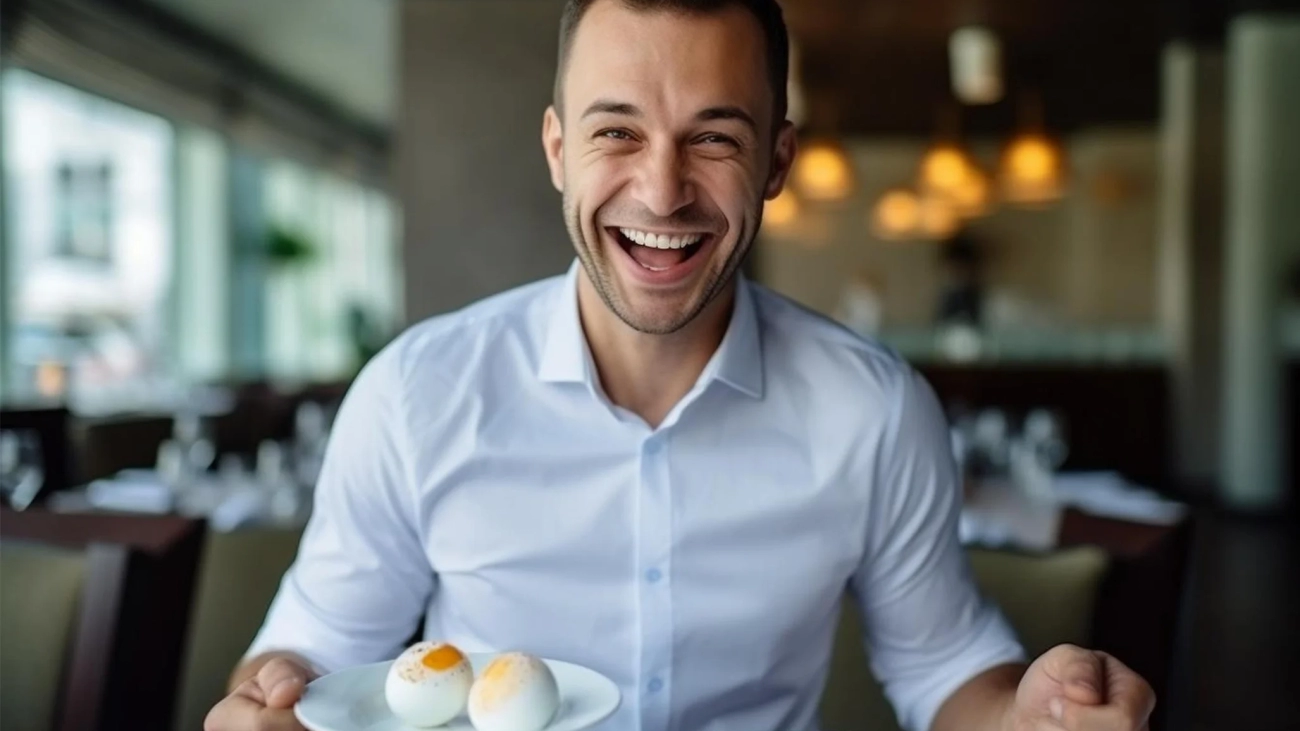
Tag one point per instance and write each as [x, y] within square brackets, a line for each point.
[494, 685]
[442, 657]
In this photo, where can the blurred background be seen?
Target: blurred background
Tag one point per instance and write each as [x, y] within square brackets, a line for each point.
[1080, 220]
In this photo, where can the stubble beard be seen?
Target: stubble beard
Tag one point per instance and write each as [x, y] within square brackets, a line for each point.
[597, 266]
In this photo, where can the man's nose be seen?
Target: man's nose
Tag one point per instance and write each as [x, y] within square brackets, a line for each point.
[663, 185]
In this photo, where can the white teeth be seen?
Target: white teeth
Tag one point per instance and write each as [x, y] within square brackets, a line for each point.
[660, 241]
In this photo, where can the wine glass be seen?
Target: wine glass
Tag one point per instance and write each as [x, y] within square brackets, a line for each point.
[22, 468]
[1045, 432]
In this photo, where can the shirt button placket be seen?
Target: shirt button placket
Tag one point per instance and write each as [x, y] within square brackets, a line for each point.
[654, 549]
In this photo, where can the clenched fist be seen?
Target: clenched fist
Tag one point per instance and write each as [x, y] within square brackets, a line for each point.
[1075, 689]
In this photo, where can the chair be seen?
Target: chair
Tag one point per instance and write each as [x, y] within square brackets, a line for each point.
[95, 611]
[1048, 598]
[109, 444]
[40, 594]
[238, 578]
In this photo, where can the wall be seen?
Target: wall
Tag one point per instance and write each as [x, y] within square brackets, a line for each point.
[479, 212]
[1089, 261]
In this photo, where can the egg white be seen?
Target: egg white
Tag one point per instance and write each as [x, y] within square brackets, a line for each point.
[424, 696]
[515, 692]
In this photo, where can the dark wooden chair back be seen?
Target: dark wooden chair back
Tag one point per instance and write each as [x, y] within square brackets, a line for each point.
[125, 658]
[105, 445]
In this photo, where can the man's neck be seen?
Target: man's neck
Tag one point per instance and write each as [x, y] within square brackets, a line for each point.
[648, 374]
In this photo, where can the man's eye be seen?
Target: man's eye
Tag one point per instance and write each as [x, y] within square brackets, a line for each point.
[717, 139]
[615, 134]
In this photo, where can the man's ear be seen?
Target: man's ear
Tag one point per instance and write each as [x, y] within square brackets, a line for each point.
[782, 159]
[553, 145]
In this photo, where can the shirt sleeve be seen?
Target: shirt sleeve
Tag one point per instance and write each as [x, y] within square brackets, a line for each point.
[361, 580]
[927, 628]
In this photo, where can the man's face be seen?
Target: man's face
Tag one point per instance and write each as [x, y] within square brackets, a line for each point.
[664, 156]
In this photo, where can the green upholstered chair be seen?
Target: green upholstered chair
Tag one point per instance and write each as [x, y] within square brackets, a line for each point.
[40, 594]
[93, 610]
[1048, 598]
[238, 576]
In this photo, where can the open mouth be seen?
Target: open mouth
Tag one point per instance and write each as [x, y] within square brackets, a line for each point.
[659, 252]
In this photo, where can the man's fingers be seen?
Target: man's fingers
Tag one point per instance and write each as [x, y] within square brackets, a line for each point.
[236, 711]
[251, 690]
[277, 719]
[1041, 724]
[282, 682]
[1080, 672]
[1084, 717]
[1126, 689]
[240, 712]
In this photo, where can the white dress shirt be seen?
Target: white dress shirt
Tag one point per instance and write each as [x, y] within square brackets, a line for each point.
[478, 477]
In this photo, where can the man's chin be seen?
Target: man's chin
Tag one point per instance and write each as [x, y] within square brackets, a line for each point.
[655, 318]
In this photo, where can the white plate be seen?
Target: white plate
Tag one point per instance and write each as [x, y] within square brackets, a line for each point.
[353, 699]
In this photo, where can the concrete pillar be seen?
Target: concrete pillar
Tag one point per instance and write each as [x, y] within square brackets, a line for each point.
[1263, 243]
[479, 212]
[1191, 253]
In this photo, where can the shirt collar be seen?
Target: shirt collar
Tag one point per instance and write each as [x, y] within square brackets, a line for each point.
[565, 357]
[738, 361]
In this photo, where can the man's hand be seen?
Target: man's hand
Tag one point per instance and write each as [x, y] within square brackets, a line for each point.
[1075, 689]
[264, 701]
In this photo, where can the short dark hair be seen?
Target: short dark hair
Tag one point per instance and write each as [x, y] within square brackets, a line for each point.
[767, 12]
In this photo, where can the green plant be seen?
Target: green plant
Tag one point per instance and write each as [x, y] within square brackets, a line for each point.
[286, 247]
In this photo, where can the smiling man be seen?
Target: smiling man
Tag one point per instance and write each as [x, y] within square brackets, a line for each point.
[652, 466]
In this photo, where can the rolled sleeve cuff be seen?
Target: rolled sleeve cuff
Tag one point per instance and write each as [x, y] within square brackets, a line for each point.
[918, 701]
[291, 627]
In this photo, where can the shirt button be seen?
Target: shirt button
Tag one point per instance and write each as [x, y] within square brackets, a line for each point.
[656, 685]
[653, 576]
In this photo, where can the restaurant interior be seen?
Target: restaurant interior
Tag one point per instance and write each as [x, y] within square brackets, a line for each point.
[1079, 220]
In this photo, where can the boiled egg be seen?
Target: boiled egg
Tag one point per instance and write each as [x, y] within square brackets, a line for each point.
[515, 692]
[428, 684]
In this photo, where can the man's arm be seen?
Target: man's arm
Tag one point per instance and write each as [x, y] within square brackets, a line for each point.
[361, 579]
[984, 703]
[947, 657]
[1068, 687]
[928, 631]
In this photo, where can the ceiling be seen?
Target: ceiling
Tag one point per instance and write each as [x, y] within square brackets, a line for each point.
[869, 66]
[881, 67]
[342, 50]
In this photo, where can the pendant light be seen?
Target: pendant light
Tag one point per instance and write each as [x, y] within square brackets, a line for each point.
[948, 171]
[823, 171]
[897, 215]
[781, 211]
[1032, 167]
[975, 65]
[939, 218]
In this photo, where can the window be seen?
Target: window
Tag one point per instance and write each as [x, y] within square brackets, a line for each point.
[332, 287]
[89, 214]
[144, 255]
[84, 199]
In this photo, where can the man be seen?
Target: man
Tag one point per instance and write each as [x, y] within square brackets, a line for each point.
[651, 466]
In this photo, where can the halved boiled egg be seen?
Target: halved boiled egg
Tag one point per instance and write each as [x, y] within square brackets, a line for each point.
[428, 685]
[515, 692]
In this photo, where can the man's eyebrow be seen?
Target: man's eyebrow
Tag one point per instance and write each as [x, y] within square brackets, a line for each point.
[606, 106]
[727, 112]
